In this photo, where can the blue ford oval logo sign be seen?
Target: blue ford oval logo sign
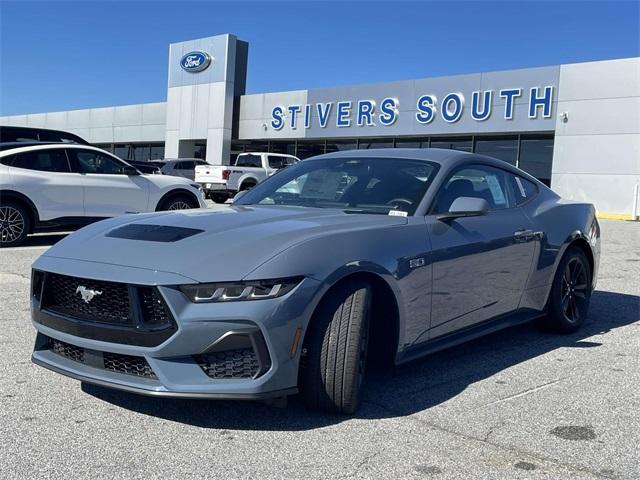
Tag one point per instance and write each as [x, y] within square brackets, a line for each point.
[194, 62]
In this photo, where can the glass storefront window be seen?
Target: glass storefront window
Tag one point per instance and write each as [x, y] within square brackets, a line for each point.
[283, 147]
[368, 143]
[454, 143]
[309, 149]
[141, 152]
[409, 142]
[257, 146]
[536, 155]
[335, 145]
[504, 148]
[157, 152]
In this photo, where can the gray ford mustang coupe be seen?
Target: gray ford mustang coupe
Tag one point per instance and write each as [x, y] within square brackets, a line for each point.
[340, 260]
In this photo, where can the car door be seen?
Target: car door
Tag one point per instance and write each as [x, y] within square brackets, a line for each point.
[45, 176]
[107, 190]
[480, 263]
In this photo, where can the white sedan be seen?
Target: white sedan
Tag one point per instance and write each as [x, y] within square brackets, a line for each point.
[66, 185]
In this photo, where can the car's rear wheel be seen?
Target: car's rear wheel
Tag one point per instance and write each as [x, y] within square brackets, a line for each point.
[570, 294]
[15, 224]
[219, 197]
[336, 350]
[248, 185]
[178, 202]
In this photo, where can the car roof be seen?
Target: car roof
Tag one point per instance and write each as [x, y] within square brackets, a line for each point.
[9, 148]
[12, 145]
[268, 153]
[437, 155]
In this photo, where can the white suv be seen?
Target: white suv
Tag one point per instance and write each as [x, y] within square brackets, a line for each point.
[66, 185]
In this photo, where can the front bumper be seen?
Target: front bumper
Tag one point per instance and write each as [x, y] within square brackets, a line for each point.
[176, 363]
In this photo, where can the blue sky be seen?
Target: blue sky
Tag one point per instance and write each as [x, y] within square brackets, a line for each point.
[68, 55]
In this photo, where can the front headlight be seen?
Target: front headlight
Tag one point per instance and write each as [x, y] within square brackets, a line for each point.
[239, 291]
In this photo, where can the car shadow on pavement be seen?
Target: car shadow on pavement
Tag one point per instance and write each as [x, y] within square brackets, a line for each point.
[407, 389]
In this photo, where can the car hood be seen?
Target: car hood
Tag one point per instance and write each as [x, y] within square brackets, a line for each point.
[223, 244]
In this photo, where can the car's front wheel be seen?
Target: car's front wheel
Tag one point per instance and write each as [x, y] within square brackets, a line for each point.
[570, 294]
[15, 223]
[336, 350]
[178, 202]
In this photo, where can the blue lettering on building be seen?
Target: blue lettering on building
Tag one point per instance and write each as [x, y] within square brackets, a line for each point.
[426, 109]
[367, 112]
[388, 111]
[484, 112]
[277, 121]
[544, 101]
[452, 106]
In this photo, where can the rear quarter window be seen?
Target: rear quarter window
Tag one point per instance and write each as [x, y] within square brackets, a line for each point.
[523, 189]
[43, 161]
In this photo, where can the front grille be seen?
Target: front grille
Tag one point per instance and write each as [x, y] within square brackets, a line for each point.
[67, 350]
[106, 302]
[100, 310]
[127, 364]
[240, 363]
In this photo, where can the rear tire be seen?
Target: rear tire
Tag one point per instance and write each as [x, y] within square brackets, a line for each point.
[247, 186]
[178, 202]
[570, 294]
[336, 350]
[15, 223]
[219, 197]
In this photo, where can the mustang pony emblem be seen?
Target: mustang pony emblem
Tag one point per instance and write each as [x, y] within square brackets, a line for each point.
[87, 294]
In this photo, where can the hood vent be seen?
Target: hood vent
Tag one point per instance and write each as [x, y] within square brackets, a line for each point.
[152, 233]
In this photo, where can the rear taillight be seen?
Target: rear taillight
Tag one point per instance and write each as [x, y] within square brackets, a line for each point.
[225, 174]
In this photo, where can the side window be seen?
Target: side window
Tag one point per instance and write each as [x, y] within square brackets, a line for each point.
[249, 161]
[478, 182]
[275, 161]
[189, 165]
[523, 189]
[90, 161]
[54, 160]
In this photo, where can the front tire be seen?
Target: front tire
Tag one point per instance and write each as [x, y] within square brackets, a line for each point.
[178, 202]
[336, 350]
[570, 294]
[15, 224]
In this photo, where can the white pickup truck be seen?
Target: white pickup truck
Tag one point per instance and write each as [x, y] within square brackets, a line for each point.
[221, 182]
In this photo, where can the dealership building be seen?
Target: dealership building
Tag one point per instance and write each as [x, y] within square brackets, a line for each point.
[576, 127]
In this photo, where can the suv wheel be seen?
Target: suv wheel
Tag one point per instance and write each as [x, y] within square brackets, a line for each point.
[15, 224]
[570, 293]
[336, 355]
[178, 202]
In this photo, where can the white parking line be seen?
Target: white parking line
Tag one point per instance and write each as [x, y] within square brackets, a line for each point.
[19, 249]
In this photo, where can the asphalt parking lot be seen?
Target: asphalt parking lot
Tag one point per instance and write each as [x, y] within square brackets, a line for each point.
[516, 404]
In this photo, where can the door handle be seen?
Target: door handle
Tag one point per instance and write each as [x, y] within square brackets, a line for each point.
[524, 235]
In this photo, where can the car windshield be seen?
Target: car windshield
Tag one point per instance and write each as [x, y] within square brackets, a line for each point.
[355, 185]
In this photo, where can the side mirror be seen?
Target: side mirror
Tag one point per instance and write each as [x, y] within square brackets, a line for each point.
[129, 170]
[465, 207]
[239, 195]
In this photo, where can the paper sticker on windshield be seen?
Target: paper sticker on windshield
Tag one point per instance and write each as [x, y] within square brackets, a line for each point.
[322, 185]
[397, 213]
[496, 190]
